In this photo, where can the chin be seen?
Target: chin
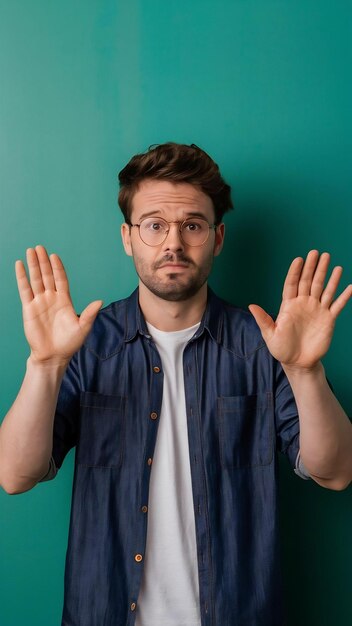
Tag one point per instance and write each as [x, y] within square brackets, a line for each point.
[175, 293]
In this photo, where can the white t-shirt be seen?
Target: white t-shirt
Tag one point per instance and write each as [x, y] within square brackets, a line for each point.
[169, 594]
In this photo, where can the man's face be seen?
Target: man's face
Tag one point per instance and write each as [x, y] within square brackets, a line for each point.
[172, 270]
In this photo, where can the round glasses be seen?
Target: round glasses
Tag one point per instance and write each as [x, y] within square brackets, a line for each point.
[193, 231]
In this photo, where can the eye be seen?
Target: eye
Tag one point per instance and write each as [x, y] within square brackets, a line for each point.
[194, 226]
[153, 225]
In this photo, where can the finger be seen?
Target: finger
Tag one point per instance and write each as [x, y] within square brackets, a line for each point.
[89, 314]
[35, 275]
[331, 287]
[264, 321]
[305, 281]
[290, 289]
[59, 274]
[320, 275]
[45, 268]
[341, 301]
[24, 288]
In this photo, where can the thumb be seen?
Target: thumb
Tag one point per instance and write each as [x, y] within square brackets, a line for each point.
[264, 321]
[88, 315]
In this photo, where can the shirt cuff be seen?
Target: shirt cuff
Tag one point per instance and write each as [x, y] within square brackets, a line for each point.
[300, 470]
[51, 473]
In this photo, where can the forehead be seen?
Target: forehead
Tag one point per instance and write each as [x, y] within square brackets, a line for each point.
[169, 199]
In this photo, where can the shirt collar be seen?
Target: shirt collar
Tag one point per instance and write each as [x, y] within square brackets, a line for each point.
[212, 320]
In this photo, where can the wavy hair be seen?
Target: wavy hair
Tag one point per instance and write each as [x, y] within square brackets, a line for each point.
[178, 163]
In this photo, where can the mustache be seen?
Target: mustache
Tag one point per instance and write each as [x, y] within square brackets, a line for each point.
[173, 258]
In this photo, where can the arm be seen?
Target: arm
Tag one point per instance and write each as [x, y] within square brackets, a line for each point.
[325, 430]
[299, 339]
[27, 430]
[54, 333]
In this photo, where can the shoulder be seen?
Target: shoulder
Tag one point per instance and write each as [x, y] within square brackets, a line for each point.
[238, 331]
[109, 329]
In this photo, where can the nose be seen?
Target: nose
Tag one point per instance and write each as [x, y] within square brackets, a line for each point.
[173, 240]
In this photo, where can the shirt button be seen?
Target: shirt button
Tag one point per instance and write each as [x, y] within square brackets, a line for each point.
[150, 461]
[156, 369]
[138, 558]
[133, 606]
[144, 509]
[154, 415]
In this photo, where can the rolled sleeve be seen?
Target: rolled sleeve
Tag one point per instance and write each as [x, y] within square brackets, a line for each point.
[300, 470]
[51, 473]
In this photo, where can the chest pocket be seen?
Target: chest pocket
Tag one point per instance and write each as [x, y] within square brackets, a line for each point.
[246, 430]
[102, 430]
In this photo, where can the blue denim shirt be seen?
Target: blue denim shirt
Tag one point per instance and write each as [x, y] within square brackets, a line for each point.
[240, 412]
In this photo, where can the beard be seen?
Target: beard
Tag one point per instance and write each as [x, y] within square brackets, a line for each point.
[174, 287]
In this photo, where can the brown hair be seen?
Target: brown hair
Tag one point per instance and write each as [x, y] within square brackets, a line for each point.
[178, 163]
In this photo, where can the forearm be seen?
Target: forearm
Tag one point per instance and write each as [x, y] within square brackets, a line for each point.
[325, 430]
[26, 433]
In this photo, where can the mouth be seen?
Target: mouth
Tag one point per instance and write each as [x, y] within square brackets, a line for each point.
[174, 265]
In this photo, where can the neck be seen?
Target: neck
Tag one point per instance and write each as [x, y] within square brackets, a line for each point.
[170, 316]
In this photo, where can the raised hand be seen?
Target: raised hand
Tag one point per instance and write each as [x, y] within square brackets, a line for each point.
[52, 328]
[303, 330]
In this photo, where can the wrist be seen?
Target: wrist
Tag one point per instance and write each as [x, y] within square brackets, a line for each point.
[295, 371]
[55, 364]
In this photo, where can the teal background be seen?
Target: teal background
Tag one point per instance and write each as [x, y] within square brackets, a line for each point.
[265, 88]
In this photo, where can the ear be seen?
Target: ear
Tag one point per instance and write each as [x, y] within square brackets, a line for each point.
[219, 239]
[126, 238]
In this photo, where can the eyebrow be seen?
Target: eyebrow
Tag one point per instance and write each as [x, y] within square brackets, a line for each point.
[188, 214]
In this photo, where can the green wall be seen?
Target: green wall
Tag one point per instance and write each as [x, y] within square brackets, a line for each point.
[265, 88]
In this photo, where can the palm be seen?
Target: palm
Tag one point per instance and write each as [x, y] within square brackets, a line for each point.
[304, 326]
[52, 327]
[303, 332]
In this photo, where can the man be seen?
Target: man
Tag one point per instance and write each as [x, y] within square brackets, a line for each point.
[177, 407]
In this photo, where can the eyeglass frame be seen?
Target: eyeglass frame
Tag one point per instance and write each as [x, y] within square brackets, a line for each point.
[180, 225]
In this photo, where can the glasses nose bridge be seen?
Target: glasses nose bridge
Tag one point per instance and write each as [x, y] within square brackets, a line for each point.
[179, 230]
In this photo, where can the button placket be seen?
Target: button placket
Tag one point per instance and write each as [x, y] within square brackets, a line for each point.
[198, 475]
[151, 427]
